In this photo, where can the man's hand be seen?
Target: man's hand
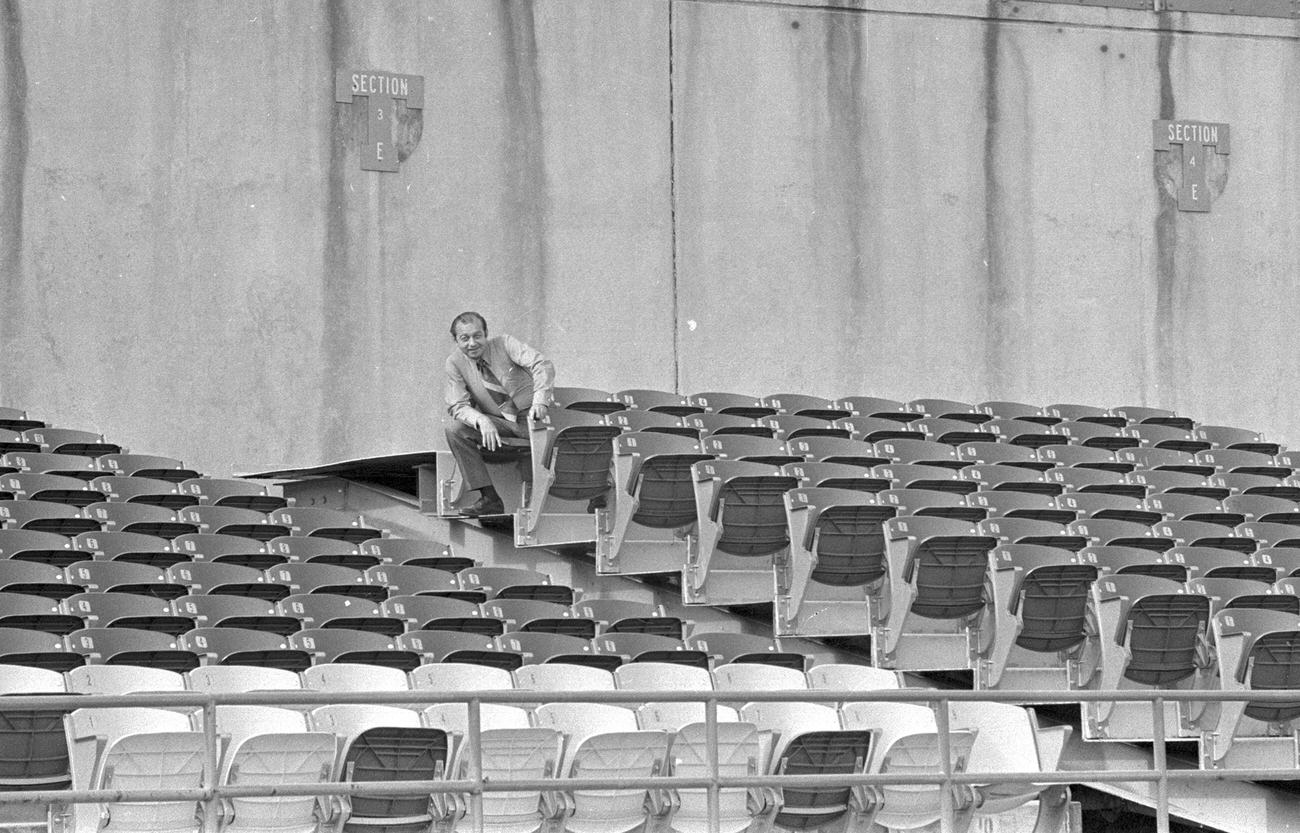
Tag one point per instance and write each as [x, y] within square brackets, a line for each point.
[537, 413]
[491, 437]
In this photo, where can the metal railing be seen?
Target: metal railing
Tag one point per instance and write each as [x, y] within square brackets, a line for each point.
[475, 785]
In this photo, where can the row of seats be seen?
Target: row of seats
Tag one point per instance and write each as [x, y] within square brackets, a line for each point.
[125, 748]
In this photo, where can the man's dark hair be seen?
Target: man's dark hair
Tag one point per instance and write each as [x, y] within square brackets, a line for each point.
[468, 318]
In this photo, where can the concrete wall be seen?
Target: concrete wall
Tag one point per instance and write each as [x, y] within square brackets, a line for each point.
[765, 197]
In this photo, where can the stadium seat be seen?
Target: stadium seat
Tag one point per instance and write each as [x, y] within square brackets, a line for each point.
[1224, 436]
[1178, 482]
[1085, 413]
[353, 646]
[354, 677]
[494, 581]
[1102, 532]
[744, 447]
[1142, 415]
[571, 457]
[1075, 479]
[1196, 533]
[319, 550]
[1263, 508]
[744, 677]
[744, 648]
[243, 646]
[555, 647]
[333, 610]
[838, 676]
[147, 465]
[1162, 459]
[603, 741]
[33, 746]
[1022, 432]
[226, 549]
[954, 432]
[801, 404]
[35, 649]
[1177, 507]
[518, 612]
[1013, 530]
[41, 547]
[1241, 461]
[122, 489]
[36, 613]
[54, 488]
[508, 752]
[320, 522]
[233, 521]
[937, 570]
[587, 400]
[70, 441]
[140, 517]
[36, 462]
[998, 477]
[1082, 456]
[739, 752]
[786, 427]
[931, 503]
[1101, 506]
[873, 429]
[242, 494]
[1013, 504]
[325, 578]
[124, 577]
[653, 497]
[653, 422]
[719, 402]
[133, 547]
[12, 441]
[837, 476]
[660, 401]
[948, 409]
[740, 527]
[622, 616]
[1242, 593]
[1038, 604]
[852, 452]
[1167, 437]
[226, 579]
[877, 407]
[1017, 410]
[136, 749]
[122, 679]
[458, 647]
[920, 452]
[17, 419]
[223, 611]
[1150, 633]
[825, 586]
[418, 552]
[131, 646]
[127, 610]
[43, 516]
[987, 453]
[722, 425]
[562, 676]
[417, 611]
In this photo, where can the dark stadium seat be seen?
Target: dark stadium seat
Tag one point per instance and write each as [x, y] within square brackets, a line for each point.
[116, 488]
[1015, 504]
[56, 488]
[147, 465]
[1240, 461]
[226, 579]
[1137, 414]
[35, 462]
[745, 648]
[231, 520]
[587, 400]
[953, 432]
[331, 610]
[41, 547]
[409, 579]
[1017, 410]
[655, 422]
[292, 548]
[131, 646]
[1016, 530]
[17, 419]
[837, 475]
[835, 450]
[875, 429]
[416, 552]
[242, 494]
[346, 645]
[320, 522]
[43, 516]
[124, 577]
[226, 549]
[571, 455]
[731, 403]
[922, 476]
[1224, 436]
[140, 517]
[244, 646]
[1001, 477]
[223, 611]
[801, 404]
[37, 613]
[673, 404]
[1083, 457]
[127, 610]
[1110, 507]
[709, 424]
[326, 578]
[786, 427]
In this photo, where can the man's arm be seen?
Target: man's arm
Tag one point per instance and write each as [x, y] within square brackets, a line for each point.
[541, 368]
[459, 403]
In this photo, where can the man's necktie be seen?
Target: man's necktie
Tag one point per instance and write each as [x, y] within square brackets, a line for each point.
[499, 396]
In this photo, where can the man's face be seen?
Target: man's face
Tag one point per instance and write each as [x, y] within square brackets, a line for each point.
[471, 339]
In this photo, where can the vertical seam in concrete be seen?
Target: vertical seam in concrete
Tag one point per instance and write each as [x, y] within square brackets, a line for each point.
[334, 294]
[672, 208]
[13, 163]
[1166, 237]
[995, 291]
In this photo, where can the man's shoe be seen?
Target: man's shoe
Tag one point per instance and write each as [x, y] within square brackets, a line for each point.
[598, 502]
[483, 507]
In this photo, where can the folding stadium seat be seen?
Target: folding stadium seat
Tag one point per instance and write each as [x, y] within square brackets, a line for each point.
[837, 476]
[555, 647]
[226, 579]
[1136, 415]
[133, 547]
[1012, 504]
[131, 646]
[922, 452]
[70, 441]
[1011, 530]
[1074, 479]
[922, 476]
[786, 427]
[127, 610]
[36, 579]
[384, 743]
[800, 404]
[1238, 539]
[650, 647]
[16, 419]
[1103, 532]
[1086, 413]
[35, 649]
[418, 552]
[931, 504]
[653, 422]
[446, 677]
[604, 742]
[40, 547]
[122, 489]
[807, 740]
[141, 517]
[147, 465]
[326, 578]
[1211, 562]
[54, 488]
[434, 646]
[746, 649]
[1038, 604]
[1267, 535]
[1263, 508]
[948, 409]
[122, 679]
[571, 458]
[1009, 739]
[745, 677]
[1107, 507]
[1017, 410]
[1094, 435]
[238, 679]
[1150, 633]
[136, 749]
[562, 676]
[835, 450]
[1167, 437]
[755, 449]
[622, 616]
[662, 676]
[36, 613]
[510, 581]
[124, 577]
[346, 645]
[418, 611]
[731, 403]
[588, 400]
[953, 432]
[874, 406]
[1176, 507]
[242, 646]
[331, 610]
[226, 549]
[827, 584]
[878, 429]
[834, 676]
[242, 494]
[1158, 482]
[1256, 650]
[1082, 456]
[35, 462]
[322, 550]
[721, 425]
[937, 570]
[44, 516]
[1286, 560]
[1023, 433]
[233, 521]
[409, 579]
[652, 498]
[741, 527]
[1163, 459]
[12, 441]
[661, 401]
[271, 747]
[354, 677]
[739, 750]
[986, 453]
[1241, 461]
[319, 522]
[222, 611]
[996, 477]
[539, 616]
[1223, 436]
[33, 747]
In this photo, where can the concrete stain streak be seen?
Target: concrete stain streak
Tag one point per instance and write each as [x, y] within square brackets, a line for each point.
[1156, 380]
[995, 290]
[13, 170]
[524, 163]
[672, 208]
[336, 335]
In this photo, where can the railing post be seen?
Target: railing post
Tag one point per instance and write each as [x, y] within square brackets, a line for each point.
[211, 776]
[473, 736]
[711, 742]
[1161, 764]
[947, 812]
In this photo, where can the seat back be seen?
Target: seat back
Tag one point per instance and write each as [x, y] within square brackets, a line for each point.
[279, 759]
